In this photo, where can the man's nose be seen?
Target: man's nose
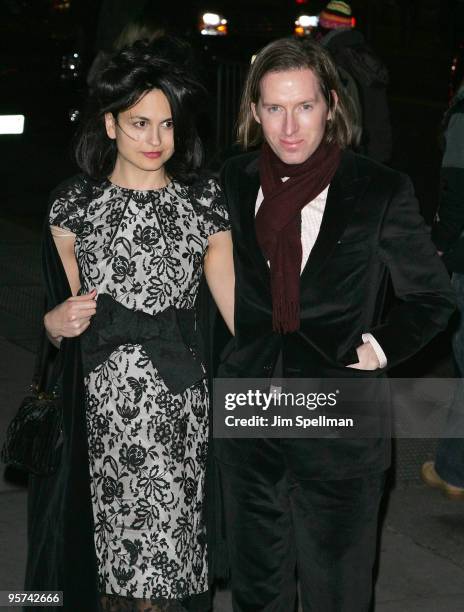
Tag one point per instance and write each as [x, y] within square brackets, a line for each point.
[290, 126]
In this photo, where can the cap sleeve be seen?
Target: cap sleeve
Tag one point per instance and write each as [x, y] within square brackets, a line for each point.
[68, 206]
[211, 207]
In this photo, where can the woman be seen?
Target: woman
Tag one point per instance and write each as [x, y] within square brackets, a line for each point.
[133, 235]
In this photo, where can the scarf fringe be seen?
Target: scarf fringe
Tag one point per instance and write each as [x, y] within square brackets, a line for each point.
[285, 315]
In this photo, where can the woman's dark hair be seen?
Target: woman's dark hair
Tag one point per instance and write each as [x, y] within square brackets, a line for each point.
[163, 64]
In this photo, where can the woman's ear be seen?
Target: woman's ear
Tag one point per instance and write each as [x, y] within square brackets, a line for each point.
[110, 124]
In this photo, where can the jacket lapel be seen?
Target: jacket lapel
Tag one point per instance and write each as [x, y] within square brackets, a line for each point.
[344, 191]
[251, 185]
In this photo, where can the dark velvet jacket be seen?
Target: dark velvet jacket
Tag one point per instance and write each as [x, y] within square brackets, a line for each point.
[371, 233]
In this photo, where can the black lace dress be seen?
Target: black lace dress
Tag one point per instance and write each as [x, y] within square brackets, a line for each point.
[147, 444]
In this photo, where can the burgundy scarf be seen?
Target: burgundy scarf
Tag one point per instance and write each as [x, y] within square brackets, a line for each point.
[278, 223]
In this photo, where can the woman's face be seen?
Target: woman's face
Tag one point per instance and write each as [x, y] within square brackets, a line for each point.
[144, 133]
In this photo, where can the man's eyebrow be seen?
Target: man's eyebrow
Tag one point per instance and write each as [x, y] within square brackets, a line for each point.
[308, 100]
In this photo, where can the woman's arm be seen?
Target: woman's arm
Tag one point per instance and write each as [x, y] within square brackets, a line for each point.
[71, 317]
[219, 272]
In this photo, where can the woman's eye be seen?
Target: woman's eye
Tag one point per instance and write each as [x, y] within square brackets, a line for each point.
[140, 124]
[169, 123]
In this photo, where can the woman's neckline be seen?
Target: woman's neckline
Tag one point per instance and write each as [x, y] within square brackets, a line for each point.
[110, 183]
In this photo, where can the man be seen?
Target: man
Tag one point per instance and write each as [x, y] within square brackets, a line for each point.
[354, 56]
[447, 471]
[317, 231]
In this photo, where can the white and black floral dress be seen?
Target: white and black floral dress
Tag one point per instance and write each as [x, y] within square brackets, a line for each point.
[147, 446]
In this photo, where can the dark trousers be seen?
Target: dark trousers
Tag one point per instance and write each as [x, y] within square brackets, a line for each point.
[280, 529]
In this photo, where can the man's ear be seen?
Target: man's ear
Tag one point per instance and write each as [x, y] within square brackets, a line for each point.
[255, 114]
[333, 103]
[110, 125]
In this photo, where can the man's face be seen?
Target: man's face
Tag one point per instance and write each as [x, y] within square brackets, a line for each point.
[293, 113]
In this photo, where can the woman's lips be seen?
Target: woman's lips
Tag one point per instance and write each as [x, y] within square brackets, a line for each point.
[152, 154]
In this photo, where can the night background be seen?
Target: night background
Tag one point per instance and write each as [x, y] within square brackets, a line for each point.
[46, 50]
[42, 78]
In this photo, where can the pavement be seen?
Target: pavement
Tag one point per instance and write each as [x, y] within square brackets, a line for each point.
[421, 551]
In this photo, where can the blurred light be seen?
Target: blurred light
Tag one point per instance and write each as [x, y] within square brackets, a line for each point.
[11, 124]
[306, 21]
[74, 115]
[211, 19]
[213, 24]
[305, 24]
[353, 22]
[61, 5]
[301, 1]
[71, 66]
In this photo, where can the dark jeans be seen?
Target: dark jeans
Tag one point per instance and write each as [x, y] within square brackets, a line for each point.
[278, 528]
[449, 461]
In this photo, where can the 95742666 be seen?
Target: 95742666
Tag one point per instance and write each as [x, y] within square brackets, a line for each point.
[39, 599]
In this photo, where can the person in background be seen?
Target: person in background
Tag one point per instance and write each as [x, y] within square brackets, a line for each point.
[120, 526]
[447, 471]
[351, 52]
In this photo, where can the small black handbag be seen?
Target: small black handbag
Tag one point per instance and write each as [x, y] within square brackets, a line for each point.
[33, 438]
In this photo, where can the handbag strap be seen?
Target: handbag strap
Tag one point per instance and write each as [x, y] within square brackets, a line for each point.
[48, 366]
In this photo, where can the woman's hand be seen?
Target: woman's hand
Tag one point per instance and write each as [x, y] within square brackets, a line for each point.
[70, 318]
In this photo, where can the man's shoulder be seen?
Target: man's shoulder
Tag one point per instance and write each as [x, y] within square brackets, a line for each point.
[365, 166]
[245, 162]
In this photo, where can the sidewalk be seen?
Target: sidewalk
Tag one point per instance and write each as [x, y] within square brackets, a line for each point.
[421, 565]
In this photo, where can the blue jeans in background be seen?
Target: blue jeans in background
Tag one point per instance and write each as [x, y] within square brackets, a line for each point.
[449, 460]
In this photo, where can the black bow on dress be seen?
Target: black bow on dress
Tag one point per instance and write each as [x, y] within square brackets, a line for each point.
[164, 337]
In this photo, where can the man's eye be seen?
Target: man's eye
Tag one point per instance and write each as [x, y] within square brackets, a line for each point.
[272, 109]
[307, 106]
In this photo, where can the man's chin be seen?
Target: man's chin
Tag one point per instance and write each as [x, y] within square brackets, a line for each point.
[292, 158]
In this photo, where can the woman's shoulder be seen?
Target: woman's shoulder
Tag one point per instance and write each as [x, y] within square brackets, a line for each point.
[205, 188]
[74, 188]
[69, 200]
[208, 202]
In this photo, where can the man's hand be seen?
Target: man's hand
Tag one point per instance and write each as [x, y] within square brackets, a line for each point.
[367, 357]
[70, 318]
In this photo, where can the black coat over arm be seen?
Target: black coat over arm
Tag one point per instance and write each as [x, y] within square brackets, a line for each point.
[61, 552]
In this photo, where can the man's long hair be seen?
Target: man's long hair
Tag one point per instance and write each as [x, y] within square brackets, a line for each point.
[294, 54]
